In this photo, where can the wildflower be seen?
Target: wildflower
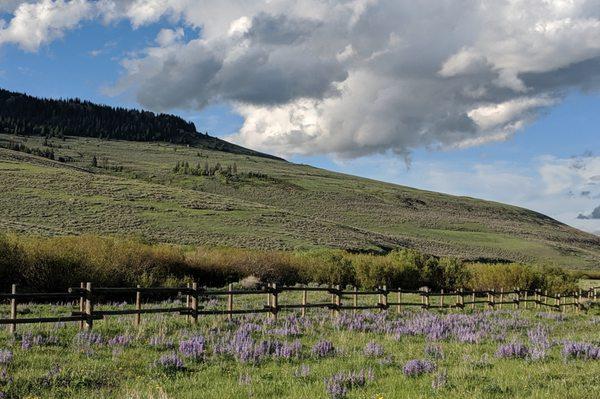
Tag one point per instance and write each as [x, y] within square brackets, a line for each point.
[302, 372]
[580, 350]
[338, 385]
[434, 351]
[6, 356]
[513, 350]
[288, 350]
[160, 341]
[323, 348]
[440, 380]
[120, 340]
[416, 367]
[373, 349]
[88, 338]
[170, 362]
[540, 342]
[193, 347]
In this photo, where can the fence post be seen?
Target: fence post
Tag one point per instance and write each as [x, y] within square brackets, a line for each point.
[472, 300]
[188, 301]
[274, 298]
[559, 300]
[442, 299]
[195, 302]
[518, 302]
[229, 302]
[355, 300]
[89, 307]
[545, 297]
[12, 328]
[81, 304]
[398, 306]
[427, 297]
[461, 299]
[501, 298]
[304, 301]
[384, 297]
[595, 293]
[138, 305]
[525, 304]
[338, 300]
[269, 295]
[579, 302]
[493, 299]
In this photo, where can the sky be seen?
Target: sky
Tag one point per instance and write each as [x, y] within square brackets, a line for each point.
[491, 99]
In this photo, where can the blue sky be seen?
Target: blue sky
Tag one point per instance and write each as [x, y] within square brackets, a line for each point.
[530, 137]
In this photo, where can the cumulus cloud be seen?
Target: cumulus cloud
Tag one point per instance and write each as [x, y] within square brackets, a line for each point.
[352, 77]
[594, 215]
[35, 24]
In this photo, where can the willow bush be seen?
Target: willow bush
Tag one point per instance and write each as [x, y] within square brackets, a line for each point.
[55, 263]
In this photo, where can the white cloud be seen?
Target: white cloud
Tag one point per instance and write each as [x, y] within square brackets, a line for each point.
[168, 37]
[36, 24]
[353, 77]
[493, 116]
[562, 188]
[361, 77]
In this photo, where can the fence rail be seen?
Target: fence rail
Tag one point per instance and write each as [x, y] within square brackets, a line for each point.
[86, 297]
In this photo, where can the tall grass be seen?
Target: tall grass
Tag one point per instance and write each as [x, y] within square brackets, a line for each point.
[55, 263]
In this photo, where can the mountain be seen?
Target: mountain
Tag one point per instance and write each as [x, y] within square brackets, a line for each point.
[73, 167]
[22, 114]
[174, 193]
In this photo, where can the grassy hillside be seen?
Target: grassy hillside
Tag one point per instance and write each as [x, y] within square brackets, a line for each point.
[264, 203]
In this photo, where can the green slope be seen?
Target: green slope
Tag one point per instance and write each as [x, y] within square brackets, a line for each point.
[269, 204]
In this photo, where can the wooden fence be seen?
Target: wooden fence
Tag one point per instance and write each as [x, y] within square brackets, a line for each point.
[86, 296]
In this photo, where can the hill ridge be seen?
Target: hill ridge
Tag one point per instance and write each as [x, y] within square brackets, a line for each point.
[23, 114]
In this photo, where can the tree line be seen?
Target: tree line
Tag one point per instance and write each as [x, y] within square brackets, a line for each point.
[26, 115]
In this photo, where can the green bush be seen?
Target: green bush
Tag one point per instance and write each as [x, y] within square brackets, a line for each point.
[56, 263]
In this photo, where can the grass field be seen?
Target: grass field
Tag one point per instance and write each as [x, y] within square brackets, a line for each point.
[268, 203]
[481, 354]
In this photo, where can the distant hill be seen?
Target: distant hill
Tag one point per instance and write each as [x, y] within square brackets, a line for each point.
[173, 193]
[22, 114]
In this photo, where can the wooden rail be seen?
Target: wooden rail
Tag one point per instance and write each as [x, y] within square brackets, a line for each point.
[86, 297]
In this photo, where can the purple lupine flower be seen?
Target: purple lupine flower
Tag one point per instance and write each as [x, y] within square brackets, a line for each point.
[51, 375]
[386, 361]
[580, 350]
[513, 350]
[416, 367]
[323, 348]
[26, 342]
[120, 340]
[440, 380]
[4, 377]
[88, 338]
[170, 362]
[434, 351]
[303, 371]
[161, 342]
[6, 356]
[338, 385]
[373, 349]
[540, 342]
[193, 347]
[288, 350]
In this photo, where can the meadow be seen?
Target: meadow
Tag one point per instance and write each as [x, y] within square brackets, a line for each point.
[387, 354]
[109, 187]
